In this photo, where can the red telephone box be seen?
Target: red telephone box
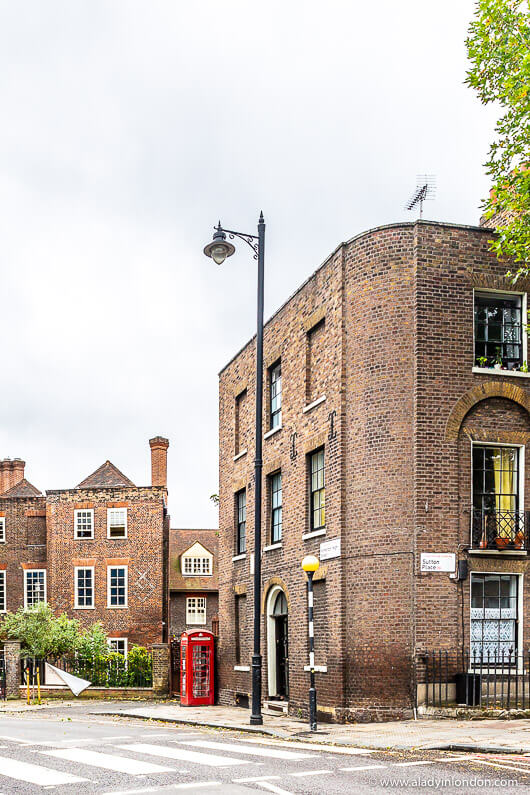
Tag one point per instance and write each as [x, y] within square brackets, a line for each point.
[196, 668]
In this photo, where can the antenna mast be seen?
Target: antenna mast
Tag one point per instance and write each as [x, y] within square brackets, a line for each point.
[425, 191]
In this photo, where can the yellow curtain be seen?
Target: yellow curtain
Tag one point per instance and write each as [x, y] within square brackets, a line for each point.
[504, 472]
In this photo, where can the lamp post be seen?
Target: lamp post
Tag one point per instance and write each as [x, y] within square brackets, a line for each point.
[310, 564]
[219, 249]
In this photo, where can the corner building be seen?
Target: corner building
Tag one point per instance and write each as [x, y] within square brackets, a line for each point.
[396, 404]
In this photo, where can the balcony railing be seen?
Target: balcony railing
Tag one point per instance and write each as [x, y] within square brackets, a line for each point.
[499, 530]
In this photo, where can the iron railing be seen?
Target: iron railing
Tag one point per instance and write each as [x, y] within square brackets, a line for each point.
[499, 530]
[116, 671]
[2, 678]
[493, 680]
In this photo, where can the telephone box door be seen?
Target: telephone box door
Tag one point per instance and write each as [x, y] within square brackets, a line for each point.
[197, 668]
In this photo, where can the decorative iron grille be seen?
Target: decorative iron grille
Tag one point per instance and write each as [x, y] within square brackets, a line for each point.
[499, 529]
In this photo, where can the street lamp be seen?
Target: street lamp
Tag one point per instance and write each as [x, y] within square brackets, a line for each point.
[310, 564]
[219, 249]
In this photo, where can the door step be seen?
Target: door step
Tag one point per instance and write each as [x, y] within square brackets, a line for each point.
[276, 707]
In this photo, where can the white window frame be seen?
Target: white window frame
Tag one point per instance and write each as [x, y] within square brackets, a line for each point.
[109, 513]
[524, 322]
[519, 619]
[191, 559]
[3, 577]
[77, 606]
[33, 571]
[125, 645]
[76, 514]
[124, 606]
[195, 612]
[521, 448]
[2, 530]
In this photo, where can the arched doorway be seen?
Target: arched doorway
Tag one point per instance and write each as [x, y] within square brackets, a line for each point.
[277, 644]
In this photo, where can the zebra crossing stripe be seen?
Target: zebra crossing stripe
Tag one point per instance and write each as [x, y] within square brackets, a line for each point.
[36, 774]
[271, 753]
[120, 764]
[213, 760]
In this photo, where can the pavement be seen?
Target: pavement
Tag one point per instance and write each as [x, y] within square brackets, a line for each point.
[485, 736]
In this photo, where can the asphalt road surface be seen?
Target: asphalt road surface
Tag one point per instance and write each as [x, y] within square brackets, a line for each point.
[84, 754]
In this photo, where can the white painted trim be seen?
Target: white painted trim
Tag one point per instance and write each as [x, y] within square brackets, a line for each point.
[319, 669]
[272, 432]
[241, 667]
[195, 613]
[26, 572]
[2, 530]
[495, 552]
[239, 557]
[126, 644]
[76, 595]
[493, 371]
[273, 546]
[76, 512]
[271, 640]
[3, 575]
[240, 455]
[312, 405]
[116, 538]
[118, 566]
[314, 533]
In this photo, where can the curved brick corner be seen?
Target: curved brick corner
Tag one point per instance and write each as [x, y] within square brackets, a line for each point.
[483, 391]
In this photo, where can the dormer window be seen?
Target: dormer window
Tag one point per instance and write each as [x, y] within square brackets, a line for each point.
[197, 561]
[499, 326]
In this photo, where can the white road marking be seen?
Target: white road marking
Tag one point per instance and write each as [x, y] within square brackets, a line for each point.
[413, 764]
[254, 778]
[361, 767]
[183, 754]
[452, 758]
[497, 764]
[171, 787]
[16, 740]
[35, 774]
[243, 749]
[273, 788]
[312, 773]
[328, 749]
[120, 764]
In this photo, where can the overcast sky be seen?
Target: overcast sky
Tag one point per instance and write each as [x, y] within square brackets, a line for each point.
[128, 128]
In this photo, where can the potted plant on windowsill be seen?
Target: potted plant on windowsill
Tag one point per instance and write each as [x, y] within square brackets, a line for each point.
[518, 541]
[497, 364]
[502, 542]
[482, 361]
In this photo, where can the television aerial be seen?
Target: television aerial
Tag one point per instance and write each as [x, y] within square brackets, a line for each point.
[425, 191]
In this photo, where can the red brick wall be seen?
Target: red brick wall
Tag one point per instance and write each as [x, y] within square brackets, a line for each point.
[142, 550]
[25, 543]
[177, 611]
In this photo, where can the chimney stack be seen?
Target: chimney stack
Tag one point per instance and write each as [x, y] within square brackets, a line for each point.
[11, 473]
[159, 447]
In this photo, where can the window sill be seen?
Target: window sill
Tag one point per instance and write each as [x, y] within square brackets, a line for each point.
[114, 538]
[239, 557]
[85, 607]
[498, 552]
[117, 607]
[241, 667]
[273, 546]
[77, 538]
[493, 371]
[195, 624]
[314, 533]
[240, 455]
[315, 403]
[318, 669]
[272, 432]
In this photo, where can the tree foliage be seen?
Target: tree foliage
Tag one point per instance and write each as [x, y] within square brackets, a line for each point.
[40, 633]
[498, 47]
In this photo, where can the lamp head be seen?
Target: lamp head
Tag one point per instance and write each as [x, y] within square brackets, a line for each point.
[219, 249]
[310, 563]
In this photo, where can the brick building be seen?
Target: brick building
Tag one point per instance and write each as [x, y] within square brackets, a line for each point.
[97, 551]
[193, 588]
[394, 425]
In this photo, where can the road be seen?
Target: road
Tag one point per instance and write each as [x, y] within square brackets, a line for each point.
[77, 753]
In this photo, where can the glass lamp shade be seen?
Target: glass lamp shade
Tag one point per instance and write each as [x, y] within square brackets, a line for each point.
[310, 563]
[219, 249]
